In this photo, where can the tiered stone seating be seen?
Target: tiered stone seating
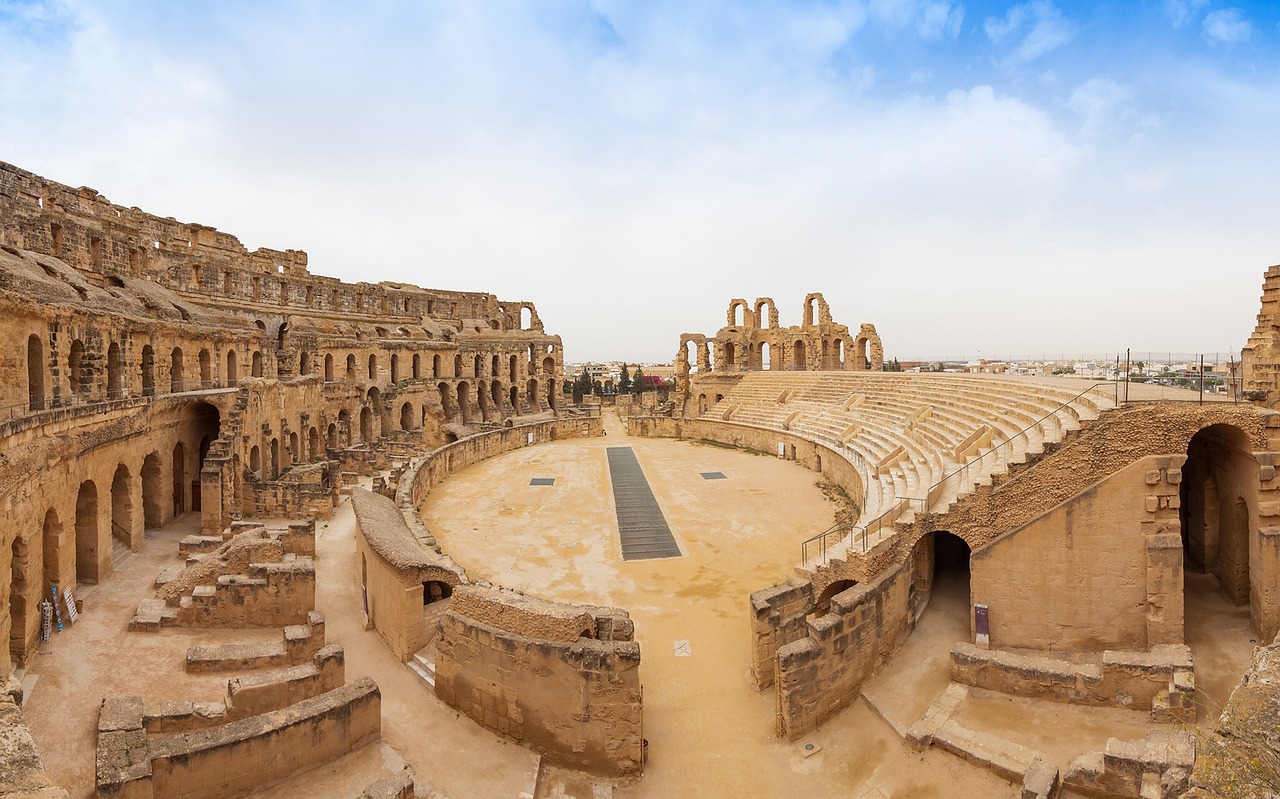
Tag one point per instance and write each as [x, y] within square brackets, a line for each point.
[916, 432]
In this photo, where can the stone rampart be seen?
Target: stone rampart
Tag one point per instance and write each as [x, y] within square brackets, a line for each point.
[575, 699]
[233, 759]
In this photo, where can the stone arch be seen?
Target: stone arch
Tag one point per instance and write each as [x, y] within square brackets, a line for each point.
[395, 367]
[798, 361]
[275, 458]
[737, 315]
[366, 425]
[256, 368]
[553, 394]
[495, 392]
[940, 562]
[514, 396]
[35, 373]
[147, 365]
[765, 360]
[75, 369]
[406, 416]
[457, 366]
[702, 404]
[822, 606]
[233, 373]
[304, 364]
[313, 443]
[115, 368]
[52, 549]
[175, 371]
[531, 392]
[549, 365]
[417, 366]
[179, 468]
[328, 367]
[373, 366]
[464, 401]
[152, 503]
[122, 506]
[295, 452]
[729, 352]
[351, 366]
[513, 369]
[770, 321]
[255, 462]
[1219, 510]
[816, 310]
[206, 368]
[435, 365]
[331, 437]
[87, 533]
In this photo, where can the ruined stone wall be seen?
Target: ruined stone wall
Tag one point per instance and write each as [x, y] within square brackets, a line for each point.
[1103, 570]
[170, 370]
[823, 672]
[1260, 357]
[236, 758]
[562, 680]
[393, 567]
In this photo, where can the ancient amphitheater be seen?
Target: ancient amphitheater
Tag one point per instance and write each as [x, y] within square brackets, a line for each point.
[272, 534]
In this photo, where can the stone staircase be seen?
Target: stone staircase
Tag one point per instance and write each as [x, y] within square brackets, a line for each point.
[423, 664]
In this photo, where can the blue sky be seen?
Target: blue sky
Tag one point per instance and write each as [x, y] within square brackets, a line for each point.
[1003, 178]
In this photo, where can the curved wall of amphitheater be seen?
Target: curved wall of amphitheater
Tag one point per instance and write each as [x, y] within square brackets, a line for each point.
[155, 368]
[1078, 516]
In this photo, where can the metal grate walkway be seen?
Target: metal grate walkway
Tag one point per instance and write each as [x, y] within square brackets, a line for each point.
[641, 526]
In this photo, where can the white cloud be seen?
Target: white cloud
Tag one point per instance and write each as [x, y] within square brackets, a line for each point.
[1032, 29]
[940, 19]
[1181, 11]
[1226, 26]
[1099, 101]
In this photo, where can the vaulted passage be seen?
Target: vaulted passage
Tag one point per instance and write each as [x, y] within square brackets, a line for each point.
[642, 528]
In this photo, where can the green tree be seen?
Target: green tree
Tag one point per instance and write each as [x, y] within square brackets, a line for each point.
[624, 382]
[638, 381]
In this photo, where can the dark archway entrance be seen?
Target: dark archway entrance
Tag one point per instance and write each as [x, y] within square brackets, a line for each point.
[87, 533]
[1218, 499]
[940, 578]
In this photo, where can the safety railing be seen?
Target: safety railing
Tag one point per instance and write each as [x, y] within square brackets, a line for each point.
[958, 476]
[39, 404]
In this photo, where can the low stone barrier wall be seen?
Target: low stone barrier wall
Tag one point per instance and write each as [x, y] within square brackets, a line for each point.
[299, 643]
[419, 478]
[833, 464]
[823, 672]
[392, 568]
[560, 679]
[233, 759]
[1122, 679]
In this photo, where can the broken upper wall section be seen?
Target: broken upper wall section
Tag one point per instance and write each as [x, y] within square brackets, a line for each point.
[102, 240]
[1261, 355]
[752, 340]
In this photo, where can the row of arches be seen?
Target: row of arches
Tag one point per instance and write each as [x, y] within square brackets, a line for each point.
[71, 540]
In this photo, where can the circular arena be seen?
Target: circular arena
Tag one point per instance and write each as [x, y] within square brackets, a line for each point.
[272, 534]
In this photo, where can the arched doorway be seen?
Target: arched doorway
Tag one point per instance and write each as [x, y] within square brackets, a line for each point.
[114, 389]
[206, 369]
[764, 356]
[366, 425]
[52, 549]
[255, 367]
[121, 507]
[1218, 518]
[406, 416]
[148, 367]
[940, 584]
[435, 591]
[75, 369]
[179, 479]
[464, 402]
[798, 358]
[35, 373]
[87, 533]
[152, 513]
[823, 604]
[233, 376]
[344, 427]
[328, 368]
[313, 444]
[275, 458]
[175, 371]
